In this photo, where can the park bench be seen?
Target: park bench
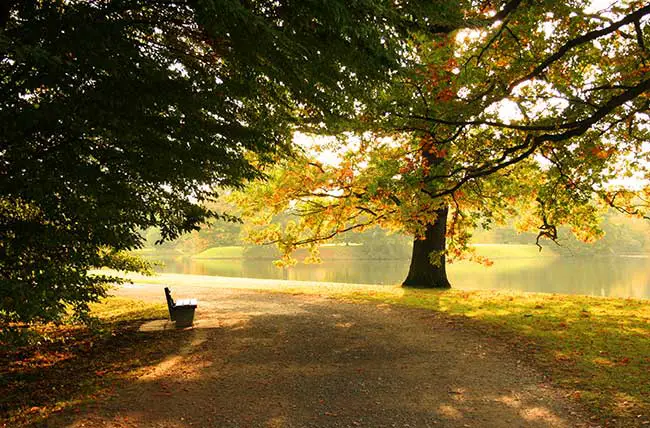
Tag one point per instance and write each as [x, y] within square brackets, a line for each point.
[182, 311]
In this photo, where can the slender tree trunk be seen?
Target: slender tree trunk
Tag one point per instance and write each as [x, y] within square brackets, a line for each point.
[422, 274]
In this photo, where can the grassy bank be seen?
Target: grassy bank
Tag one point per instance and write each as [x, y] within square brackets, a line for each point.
[221, 253]
[596, 349]
[69, 367]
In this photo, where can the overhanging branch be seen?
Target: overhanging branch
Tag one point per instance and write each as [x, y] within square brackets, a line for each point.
[585, 38]
[533, 142]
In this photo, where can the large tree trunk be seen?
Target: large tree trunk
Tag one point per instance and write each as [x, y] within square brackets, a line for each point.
[422, 274]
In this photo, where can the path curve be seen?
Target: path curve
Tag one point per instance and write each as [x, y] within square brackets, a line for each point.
[257, 359]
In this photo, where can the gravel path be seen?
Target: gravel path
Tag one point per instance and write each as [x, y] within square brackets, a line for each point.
[276, 360]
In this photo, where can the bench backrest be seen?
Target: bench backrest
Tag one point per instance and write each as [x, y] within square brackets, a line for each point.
[170, 301]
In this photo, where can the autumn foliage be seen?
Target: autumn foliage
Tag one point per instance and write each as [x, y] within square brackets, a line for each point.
[531, 111]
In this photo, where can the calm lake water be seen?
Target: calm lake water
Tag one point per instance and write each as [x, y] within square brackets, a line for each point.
[596, 276]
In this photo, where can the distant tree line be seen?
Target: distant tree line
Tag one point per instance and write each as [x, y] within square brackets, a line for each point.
[620, 235]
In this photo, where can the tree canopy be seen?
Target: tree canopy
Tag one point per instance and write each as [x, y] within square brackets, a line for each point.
[124, 114]
[533, 110]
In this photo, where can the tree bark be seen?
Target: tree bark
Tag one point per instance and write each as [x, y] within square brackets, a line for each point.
[422, 274]
[5, 11]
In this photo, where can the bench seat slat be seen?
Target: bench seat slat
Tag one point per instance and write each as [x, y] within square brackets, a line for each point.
[186, 302]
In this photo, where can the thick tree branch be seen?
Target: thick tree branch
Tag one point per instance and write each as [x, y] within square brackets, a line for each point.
[533, 142]
[507, 10]
[331, 235]
[639, 34]
[583, 125]
[631, 93]
[585, 38]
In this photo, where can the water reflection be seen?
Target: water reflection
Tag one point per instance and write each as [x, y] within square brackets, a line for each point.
[597, 276]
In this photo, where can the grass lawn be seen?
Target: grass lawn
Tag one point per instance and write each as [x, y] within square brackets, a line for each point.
[152, 252]
[221, 253]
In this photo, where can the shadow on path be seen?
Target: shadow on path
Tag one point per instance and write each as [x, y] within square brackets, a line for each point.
[272, 360]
